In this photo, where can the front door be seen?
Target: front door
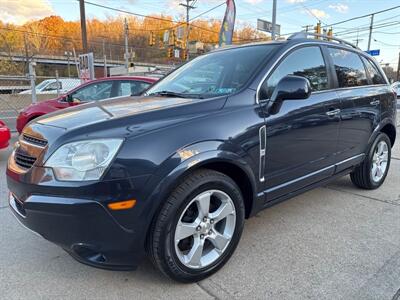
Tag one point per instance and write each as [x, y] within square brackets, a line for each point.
[302, 136]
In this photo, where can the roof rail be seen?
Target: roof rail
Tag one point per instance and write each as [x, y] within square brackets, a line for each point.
[305, 35]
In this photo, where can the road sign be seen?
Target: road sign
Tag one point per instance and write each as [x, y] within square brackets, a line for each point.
[166, 36]
[374, 52]
[267, 26]
[86, 67]
[177, 53]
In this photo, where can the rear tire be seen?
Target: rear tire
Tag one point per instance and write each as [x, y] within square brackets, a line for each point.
[198, 228]
[371, 173]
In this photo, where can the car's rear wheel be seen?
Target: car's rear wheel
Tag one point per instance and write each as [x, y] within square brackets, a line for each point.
[373, 171]
[198, 228]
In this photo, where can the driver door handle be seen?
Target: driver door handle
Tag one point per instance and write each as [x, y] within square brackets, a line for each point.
[374, 102]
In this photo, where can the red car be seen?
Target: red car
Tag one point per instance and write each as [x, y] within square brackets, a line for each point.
[98, 89]
[5, 135]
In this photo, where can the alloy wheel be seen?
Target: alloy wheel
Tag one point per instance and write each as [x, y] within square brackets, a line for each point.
[205, 229]
[379, 161]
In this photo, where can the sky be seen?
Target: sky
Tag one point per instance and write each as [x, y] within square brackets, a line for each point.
[291, 15]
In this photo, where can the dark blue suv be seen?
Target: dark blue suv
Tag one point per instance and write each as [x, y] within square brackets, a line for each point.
[175, 172]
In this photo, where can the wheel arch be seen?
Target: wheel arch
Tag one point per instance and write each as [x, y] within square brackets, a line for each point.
[238, 175]
[386, 126]
[225, 162]
[390, 131]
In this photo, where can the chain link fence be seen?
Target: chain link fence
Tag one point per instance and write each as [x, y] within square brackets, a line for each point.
[18, 92]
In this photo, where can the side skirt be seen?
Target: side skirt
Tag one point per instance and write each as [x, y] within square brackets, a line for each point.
[307, 188]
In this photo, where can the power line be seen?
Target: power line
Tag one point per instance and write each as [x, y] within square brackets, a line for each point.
[383, 25]
[149, 17]
[311, 13]
[386, 44]
[363, 16]
[207, 11]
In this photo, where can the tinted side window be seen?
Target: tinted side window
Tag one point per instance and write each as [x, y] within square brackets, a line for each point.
[94, 91]
[132, 88]
[349, 68]
[307, 62]
[138, 87]
[373, 72]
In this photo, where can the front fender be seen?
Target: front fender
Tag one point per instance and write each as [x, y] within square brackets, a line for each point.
[187, 160]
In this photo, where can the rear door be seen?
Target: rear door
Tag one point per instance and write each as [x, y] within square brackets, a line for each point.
[359, 105]
[302, 136]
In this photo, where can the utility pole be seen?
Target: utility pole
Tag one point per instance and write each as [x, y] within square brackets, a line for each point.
[126, 45]
[104, 58]
[26, 51]
[307, 27]
[188, 8]
[273, 33]
[370, 31]
[398, 69]
[357, 40]
[83, 26]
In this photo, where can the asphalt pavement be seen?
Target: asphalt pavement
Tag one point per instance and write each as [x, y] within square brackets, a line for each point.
[335, 242]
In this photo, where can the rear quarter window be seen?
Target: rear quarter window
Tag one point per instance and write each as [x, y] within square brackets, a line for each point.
[374, 73]
[349, 68]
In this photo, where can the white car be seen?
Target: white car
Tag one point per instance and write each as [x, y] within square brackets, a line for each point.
[49, 86]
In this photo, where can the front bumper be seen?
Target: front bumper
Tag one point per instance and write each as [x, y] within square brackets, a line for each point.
[84, 228]
[74, 215]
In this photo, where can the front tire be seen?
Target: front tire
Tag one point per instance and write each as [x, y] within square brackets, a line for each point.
[373, 170]
[198, 227]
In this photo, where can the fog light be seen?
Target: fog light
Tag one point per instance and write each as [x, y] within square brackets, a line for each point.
[120, 205]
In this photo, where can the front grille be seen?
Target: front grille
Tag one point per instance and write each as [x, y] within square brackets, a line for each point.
[34, 140]
[23, 160]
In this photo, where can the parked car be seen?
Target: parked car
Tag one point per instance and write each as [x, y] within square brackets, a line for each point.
[175, 173]
[94, 90]
[49, 86]
[396, 87]
[5, 135]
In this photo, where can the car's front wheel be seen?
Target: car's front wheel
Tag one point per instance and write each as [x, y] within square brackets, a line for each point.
[373, 171]
[198, 228]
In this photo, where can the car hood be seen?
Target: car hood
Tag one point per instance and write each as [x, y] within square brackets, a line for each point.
[100, 111]
[126, 118]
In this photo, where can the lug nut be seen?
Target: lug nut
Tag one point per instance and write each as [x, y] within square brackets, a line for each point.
[212, 221]
[205, 219]
[198, 228]
[210, 232]
[202, 236]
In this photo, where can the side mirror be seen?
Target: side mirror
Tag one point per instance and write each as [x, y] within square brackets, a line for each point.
[290, 87]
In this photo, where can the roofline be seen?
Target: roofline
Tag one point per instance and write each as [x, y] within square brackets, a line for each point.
[299, 36]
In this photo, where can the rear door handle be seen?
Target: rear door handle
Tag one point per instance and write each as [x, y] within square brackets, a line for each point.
[333, 112]
[375, 102]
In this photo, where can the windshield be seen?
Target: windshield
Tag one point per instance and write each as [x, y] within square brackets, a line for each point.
[42, 84]
[215, 74]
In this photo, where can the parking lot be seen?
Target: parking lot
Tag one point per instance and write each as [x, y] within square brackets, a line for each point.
[330, 243]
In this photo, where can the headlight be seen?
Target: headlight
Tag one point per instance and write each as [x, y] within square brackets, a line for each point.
[83, 160]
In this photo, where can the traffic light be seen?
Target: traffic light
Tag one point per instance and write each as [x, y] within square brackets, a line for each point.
[330, 33]
[318, 29]
[184, 54]
[152, 39]
[172, 38]
[170, 52]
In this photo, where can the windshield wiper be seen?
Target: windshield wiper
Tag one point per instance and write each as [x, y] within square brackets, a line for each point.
[169, 94]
